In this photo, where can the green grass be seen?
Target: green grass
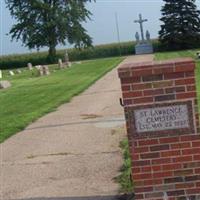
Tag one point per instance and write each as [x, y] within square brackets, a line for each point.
[124, 179]
[30, 97]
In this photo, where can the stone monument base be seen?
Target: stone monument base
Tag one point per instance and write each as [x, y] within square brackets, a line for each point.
[143, 48]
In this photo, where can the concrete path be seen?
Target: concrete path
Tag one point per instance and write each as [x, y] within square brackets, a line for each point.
[72, 153]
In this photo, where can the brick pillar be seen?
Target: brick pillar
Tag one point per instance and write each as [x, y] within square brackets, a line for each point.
[160, 103]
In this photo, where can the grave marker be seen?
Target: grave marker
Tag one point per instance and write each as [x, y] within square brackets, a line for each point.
[11, 73]
[1, 75]
[30, 67]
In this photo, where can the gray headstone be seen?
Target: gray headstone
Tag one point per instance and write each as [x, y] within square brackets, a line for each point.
[5, 84]
[19, 71]
[60, 64]
[11, 73]
[1, 75]
[30, 67]
[45, 70]
[66, 57]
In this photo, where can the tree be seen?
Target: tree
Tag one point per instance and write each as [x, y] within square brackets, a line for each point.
[47, 23]
[181, 24]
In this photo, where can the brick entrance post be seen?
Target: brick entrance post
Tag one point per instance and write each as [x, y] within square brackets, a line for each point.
[161, 111]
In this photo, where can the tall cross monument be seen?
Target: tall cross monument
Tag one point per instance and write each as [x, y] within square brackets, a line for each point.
[141, 21]
[144, 45]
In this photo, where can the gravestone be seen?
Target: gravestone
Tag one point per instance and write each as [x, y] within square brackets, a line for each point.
[11, 73]
[60, 64]
[66, 60]
[19, 71]
[143, 46]
[30, 67]
[5, 84]
[1, 75]
[162, 118]
[43, 70]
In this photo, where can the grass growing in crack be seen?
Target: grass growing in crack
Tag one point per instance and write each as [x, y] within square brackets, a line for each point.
[124, 178]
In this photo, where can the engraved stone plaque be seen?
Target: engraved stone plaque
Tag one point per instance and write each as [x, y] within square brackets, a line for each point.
[170, 118]
[161, 118]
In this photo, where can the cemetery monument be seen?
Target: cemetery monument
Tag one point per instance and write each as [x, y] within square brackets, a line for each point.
[143, 45]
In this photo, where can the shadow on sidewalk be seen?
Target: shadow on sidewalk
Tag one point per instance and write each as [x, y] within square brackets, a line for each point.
[119, 197]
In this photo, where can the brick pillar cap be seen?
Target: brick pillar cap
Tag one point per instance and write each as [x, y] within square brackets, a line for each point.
[143, 65]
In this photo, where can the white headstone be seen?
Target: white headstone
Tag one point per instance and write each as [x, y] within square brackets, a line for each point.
[11, 73]
[1, 75]
[46, 70]
[66, 57]
[4, 84]
[60, 64]
[38, 67]
[30, 67]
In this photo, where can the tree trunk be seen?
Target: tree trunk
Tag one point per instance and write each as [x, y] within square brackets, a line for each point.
[52, 53]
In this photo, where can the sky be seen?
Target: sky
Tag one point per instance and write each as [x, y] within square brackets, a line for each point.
[102, 27]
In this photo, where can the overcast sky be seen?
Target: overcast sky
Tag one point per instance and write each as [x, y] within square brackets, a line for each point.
[102, 27]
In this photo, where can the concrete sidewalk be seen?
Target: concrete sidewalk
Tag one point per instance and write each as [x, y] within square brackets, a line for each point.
[72, 152]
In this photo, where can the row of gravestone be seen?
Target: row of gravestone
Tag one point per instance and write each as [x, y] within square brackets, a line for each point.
[43, 70]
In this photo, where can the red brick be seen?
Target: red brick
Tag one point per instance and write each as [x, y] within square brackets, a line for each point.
[143, 189]
[175, 89]
[142, 176]
[161, 84]
[163, 70]
[126, 88]
[146, 169]
[142, 72]
[185, 81]
[190, 137]
[193, 191]
[160, 147]
[141, 86]
[181, 145]
[132, 94]
[189, 74]
[161, 161]
[171, 153]
[153, 92]
[141, 149]
[150, 155]
[184, 185]
[172, 166]
[191, 88]
[143, 100]
[174, 75]
[162, 174]
[186, 95]
[196, 157]
[169, 140]
[191, 151]
[196, 143]
[182, 159]
[148, 142]
[130, 80]
[185, 67]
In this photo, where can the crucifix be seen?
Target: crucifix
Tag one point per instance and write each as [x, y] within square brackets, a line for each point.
[141, 21]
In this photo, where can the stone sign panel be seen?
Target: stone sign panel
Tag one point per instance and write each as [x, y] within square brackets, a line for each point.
[171, 117]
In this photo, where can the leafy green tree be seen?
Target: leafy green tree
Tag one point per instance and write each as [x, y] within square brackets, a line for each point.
[47, 23]
[181, 24]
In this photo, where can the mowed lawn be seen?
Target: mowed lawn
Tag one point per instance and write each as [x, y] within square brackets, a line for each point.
[187, 53]
[30, 97]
